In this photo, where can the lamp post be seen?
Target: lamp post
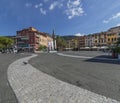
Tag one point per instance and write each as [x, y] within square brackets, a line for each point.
[54, 40]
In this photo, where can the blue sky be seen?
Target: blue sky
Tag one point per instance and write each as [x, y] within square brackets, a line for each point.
[66, 17]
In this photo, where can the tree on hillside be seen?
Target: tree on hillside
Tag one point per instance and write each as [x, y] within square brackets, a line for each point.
[5, 42]
[61, 43]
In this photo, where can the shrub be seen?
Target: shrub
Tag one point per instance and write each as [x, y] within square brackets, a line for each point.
[42, 47]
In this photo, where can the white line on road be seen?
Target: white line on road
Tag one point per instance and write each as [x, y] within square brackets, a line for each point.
[85, 57]
[75, 56]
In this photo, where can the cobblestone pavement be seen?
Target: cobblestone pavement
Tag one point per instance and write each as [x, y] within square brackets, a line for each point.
[33, 86]
[6, 93]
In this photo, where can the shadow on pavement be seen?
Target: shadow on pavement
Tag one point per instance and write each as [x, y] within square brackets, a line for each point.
[104, 59]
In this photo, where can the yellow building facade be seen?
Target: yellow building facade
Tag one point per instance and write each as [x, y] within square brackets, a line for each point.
[111, 38]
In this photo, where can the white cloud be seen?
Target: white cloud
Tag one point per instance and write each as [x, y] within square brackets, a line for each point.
[118, 24]
[78, 34]
[52, 6]
[28, 4]
[74, 8]
[43, 11]
[116, 16]
[112, 18]
[71, 8]
[105, 21]
[77, 2]
[38, 5]
[55, 4]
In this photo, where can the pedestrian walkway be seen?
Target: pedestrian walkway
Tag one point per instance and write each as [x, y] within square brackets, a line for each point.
[33, 86]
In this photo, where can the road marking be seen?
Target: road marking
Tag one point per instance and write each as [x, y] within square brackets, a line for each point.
[85, 57]
[75, 56]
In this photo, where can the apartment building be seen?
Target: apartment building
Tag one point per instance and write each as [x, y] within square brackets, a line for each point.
[89, 40]
[46, 40]
[111, 38]
[75, 43]
[27, 39]
[114, 29]
[31, 39]
[96, 40]
[81, 42]
[71, 42]
[101, 39]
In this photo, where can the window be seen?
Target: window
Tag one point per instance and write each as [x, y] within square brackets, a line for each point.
[112, 39]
